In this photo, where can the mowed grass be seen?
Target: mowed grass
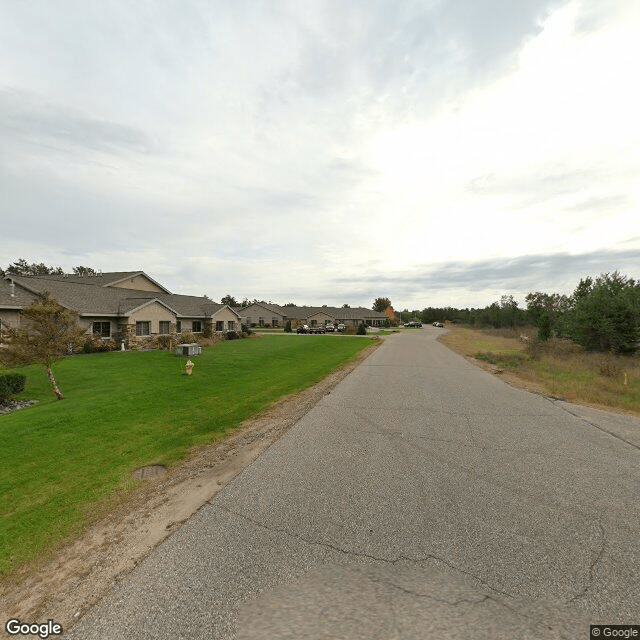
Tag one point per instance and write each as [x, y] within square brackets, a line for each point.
[558, 368]
[62, 463]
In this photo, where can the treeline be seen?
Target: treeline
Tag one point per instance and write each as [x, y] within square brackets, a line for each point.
[23, 268]
[602, 314]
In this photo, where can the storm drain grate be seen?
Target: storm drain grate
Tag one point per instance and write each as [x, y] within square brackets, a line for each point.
[152, 471]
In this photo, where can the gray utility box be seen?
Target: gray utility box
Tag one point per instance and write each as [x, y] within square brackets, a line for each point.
[189, 349]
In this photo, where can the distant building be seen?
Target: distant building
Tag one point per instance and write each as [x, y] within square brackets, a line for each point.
[263, 314]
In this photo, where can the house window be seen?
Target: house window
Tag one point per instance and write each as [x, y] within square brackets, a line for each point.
[164, 326]
[143, 328]
[231, 325]
[261, 322]
[274, 322]
[196, 326]
[219, 325]
[103, 329]
[178, 326]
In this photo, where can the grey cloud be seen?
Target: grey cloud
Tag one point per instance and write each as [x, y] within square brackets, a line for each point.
[558, 272]
[25, 118]
[492, 30]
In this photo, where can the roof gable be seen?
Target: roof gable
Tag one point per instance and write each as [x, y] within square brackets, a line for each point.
[115, 279]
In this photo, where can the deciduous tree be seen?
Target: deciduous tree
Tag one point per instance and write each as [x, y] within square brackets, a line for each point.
[380, 304]
[49, 331]
[229, 300]
[23, 268]
[84, 271]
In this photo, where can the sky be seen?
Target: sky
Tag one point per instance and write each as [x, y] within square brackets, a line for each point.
[435, 152]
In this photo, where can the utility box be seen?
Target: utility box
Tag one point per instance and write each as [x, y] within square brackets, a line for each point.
[189, 350]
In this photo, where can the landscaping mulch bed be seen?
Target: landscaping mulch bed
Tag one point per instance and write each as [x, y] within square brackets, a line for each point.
[13, 405]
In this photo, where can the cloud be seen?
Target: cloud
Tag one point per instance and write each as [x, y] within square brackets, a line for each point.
[482, 281]
[285, 149]
[28, 120]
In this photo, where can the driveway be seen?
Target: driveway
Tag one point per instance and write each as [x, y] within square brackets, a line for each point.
[421, 498]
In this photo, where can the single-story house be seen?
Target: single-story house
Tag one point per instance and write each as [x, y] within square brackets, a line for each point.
[261, 314]
[121, 305]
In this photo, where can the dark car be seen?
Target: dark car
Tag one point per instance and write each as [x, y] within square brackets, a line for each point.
[302, 328]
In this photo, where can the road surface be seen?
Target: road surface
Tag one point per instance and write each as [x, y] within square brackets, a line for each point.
[422, 498]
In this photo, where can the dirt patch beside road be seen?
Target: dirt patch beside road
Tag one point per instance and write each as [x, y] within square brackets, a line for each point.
[81, 574]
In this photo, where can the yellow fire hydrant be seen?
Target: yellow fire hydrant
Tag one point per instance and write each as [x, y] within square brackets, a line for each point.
[189, 367]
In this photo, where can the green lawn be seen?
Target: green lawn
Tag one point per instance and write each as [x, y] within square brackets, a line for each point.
[61, 460]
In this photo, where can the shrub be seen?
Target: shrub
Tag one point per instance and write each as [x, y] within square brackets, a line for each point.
[213, 339]
[167, 341]
[231, 335]
[11, 384]
[287, 327]
[245, 329]
[147, 342]
[609, 365]
[187, 337]
[362, 330]
[96, 344]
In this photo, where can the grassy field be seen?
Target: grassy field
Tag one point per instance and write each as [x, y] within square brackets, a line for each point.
[558, 368]
[62, 462]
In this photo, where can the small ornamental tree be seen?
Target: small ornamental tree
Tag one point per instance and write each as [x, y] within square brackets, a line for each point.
[48, 334]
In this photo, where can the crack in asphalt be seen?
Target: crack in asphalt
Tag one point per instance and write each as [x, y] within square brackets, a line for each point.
[427, 596]
[357, 554]
[555, 403]
[592, 565]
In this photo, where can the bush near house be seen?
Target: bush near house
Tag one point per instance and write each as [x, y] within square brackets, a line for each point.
[11, 384]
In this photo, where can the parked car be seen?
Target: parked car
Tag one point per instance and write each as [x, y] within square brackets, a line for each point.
[317, 329]
[340, 327]
[413, 324]
[329, 328]
[302, 328]
[438, 324]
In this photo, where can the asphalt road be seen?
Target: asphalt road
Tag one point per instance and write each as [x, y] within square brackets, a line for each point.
[422, 498]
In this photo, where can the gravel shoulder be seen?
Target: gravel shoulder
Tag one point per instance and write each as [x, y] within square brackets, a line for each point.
[83, 571]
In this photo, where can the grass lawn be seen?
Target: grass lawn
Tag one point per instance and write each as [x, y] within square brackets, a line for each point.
[559, 368]
[62, 462]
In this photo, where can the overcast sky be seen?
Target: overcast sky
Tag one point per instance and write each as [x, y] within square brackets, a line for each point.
[437, 152]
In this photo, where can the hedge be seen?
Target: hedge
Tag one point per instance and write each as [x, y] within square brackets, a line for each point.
[11, 384]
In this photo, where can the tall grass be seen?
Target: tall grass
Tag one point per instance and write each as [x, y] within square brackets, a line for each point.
[560, 367]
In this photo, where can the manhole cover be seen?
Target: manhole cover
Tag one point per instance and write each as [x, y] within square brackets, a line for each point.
[151, 471]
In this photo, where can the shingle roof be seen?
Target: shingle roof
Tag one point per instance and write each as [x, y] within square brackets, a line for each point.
[94, 300]
[100, 279]
[20, 299]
